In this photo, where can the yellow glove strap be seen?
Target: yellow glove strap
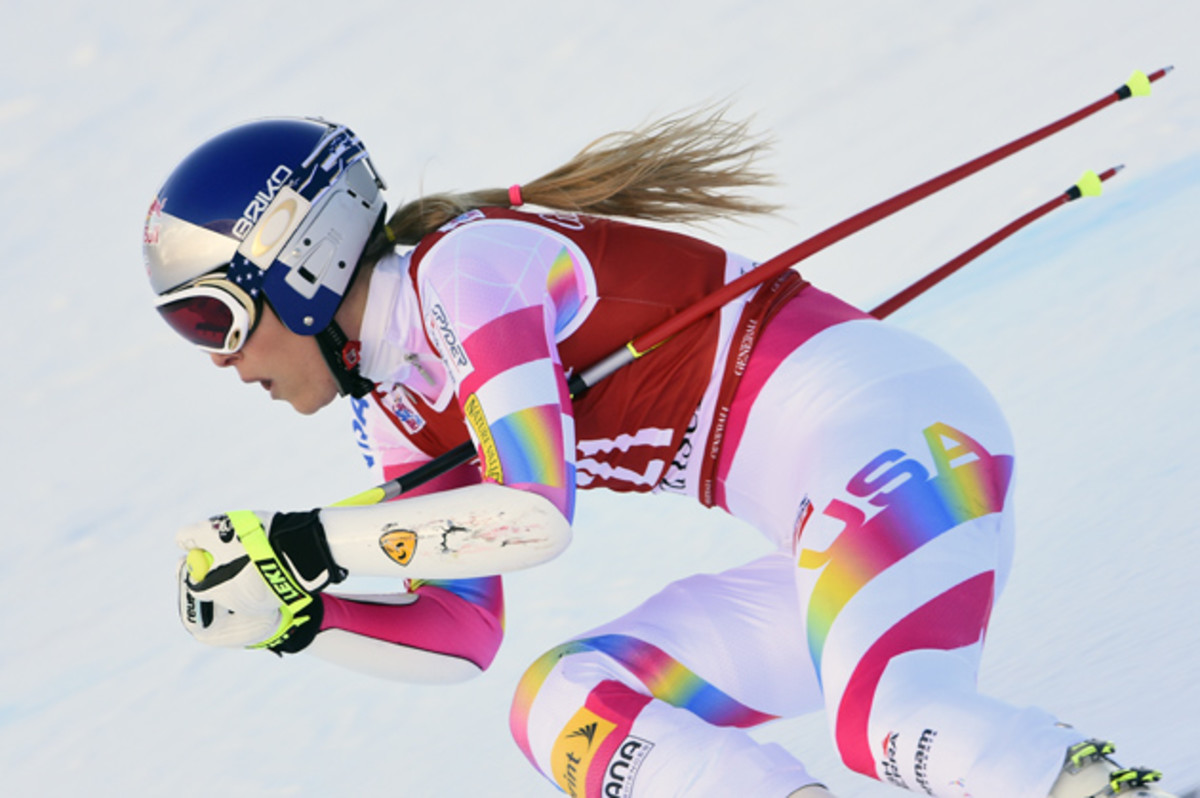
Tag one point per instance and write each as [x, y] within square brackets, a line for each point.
[292, 598]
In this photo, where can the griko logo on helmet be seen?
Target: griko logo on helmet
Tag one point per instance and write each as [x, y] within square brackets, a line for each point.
[282, 207]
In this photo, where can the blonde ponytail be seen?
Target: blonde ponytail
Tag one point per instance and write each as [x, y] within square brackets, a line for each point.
[678, 169]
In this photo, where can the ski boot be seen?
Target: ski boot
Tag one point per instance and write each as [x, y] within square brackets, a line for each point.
[811, 791]
[1090, 773]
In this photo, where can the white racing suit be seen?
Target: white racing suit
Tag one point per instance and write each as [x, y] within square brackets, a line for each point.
[878, 466]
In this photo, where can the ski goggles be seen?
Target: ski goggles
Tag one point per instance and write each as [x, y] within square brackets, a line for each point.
[212, 313]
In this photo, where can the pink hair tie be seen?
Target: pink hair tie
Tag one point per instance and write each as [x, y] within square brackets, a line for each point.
[514, 195]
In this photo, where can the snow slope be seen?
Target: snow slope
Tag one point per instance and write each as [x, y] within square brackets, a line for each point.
[1086, 326]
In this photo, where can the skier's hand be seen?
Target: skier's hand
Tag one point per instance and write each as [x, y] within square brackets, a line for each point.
[216, 550]
[214, 553]
[254, 618]
[239, 587]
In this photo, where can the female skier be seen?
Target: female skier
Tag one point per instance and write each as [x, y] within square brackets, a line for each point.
[879, 468]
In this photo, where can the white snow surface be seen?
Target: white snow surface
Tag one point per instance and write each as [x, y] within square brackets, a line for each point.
[115, 433]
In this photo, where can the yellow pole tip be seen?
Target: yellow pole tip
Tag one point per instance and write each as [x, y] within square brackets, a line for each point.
[374, 495]
[1090, 185]
[199, 562]
[1138, 84]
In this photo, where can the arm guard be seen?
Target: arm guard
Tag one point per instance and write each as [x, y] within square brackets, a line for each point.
[478, 530]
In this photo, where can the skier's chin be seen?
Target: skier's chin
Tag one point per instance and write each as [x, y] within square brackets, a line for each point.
[305, 403]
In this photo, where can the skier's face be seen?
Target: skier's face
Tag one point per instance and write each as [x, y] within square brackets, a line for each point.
[287, 365]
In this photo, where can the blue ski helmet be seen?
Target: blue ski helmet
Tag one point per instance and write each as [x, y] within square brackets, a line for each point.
[281, 206]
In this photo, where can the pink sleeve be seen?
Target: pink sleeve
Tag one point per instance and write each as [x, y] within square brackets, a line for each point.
[459, 618]
[496, 295]
[522, 425]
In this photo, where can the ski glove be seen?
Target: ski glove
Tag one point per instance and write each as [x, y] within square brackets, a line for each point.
[242, 587]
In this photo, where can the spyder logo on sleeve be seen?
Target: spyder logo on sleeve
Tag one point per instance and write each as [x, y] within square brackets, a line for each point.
[437, 322]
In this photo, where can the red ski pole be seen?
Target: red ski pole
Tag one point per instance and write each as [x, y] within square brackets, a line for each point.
[1088, 186]
[1138, 85]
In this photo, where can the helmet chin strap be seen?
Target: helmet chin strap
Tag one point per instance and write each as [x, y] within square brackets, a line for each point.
[341, 354]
